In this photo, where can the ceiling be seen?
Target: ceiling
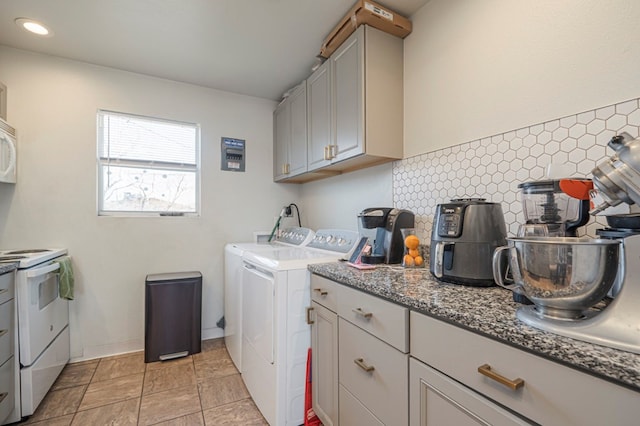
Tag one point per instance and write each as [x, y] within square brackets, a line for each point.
[253, 47]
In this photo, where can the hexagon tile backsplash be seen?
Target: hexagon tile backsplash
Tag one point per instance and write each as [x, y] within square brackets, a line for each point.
[493, 167]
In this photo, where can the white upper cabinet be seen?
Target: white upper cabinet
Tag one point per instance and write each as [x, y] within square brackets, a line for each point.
[354, 107]
[320, 134]
[290, 135]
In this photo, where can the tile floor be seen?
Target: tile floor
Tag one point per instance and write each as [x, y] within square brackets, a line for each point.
[202, 389]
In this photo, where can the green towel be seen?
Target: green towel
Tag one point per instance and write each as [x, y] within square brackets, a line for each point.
[66, 277]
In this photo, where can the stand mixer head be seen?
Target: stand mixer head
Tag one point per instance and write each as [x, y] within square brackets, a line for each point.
[615, 180]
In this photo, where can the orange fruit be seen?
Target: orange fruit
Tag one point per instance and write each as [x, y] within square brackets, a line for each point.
[412, 242]
[418, 260]
[414, 253]
[408, 260]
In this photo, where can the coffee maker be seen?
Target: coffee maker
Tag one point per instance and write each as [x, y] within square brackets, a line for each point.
[382, 226]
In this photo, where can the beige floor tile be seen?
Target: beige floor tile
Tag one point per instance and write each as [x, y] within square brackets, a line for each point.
[168, 405]
[218, 366]
[75, 375]
[242, 412]
[110, 368]
[220, 391]
[58, 403]
[170, 377]
[111, 391]
[58, 421]
[195, 419]
[119, 414]
[212, 344]
[157, 365]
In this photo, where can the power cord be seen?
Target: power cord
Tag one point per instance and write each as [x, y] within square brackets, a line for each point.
[289, 212]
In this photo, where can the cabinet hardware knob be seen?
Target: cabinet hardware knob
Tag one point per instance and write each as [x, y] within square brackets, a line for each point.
[514, 384]
[360, 363]
[3, 395]
[333, 151]
[321, 291]
[326, 153]
[3, 332]
[363, 314]
[309, 320]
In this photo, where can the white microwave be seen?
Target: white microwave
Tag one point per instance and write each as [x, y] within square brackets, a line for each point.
[8, 153]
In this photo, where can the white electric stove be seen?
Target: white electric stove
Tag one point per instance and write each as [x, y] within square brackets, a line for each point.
[42, 337]
[275, 334]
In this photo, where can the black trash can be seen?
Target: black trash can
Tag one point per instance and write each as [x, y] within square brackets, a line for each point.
[173, 315]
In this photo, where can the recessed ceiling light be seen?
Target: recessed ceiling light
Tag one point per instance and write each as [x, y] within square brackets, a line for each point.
[33, 26]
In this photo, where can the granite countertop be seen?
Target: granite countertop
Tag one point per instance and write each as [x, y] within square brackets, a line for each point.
[7, 267]
[488, 311]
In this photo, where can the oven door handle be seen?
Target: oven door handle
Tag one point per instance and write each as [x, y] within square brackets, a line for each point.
[32, 273]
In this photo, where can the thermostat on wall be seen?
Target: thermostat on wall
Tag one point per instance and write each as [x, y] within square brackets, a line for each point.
[233, 154]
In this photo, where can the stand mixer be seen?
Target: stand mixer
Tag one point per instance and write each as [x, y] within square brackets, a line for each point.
[616, 180]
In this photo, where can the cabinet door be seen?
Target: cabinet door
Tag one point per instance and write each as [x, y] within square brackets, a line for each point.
[324, 364]
[319, 116]
[348, 84]
[281, 139]
[435, 399]
[298, 144]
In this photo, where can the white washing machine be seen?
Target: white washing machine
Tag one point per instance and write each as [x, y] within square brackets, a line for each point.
[275, 334]
[289, 237]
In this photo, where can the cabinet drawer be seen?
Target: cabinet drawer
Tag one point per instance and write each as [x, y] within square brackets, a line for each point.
[7, 389]
[552, 394]
[353, 413]
[6, 330]
[436, 399]
[383, 319]
[324, 292]
[6, 286]
[383, 389]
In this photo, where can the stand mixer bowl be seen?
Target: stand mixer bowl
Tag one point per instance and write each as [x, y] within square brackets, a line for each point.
[563, 277]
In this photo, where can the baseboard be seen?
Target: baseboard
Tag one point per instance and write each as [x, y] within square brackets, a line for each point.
[130, 346]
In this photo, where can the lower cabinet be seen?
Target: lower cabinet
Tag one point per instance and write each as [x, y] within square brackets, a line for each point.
[374, 363]
[373, 372]
[436, 399]
[324, 364]
[535, 388]
[359, 378]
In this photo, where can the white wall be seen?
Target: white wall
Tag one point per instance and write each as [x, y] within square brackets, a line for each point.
[478, 68]
[53, 103]
[335, 202]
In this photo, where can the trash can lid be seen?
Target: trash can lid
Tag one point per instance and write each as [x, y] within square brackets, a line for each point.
[173, 276]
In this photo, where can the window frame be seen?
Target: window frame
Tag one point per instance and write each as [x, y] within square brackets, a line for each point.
[101, 162]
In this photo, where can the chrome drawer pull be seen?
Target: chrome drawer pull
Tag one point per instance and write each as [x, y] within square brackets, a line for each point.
[321, 291]
[360, 312]
[365, 367]
[309, 320]
[514, 384]
[3, 332]
[3, 395]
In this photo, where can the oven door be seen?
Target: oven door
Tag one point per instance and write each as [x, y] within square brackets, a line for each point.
[42, 313]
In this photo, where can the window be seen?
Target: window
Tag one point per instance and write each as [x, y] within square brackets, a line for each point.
[147, 166]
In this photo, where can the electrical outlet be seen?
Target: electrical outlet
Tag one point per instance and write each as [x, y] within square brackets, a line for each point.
[288, 212]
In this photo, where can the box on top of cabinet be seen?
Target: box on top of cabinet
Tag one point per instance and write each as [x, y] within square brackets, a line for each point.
[370, 13]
